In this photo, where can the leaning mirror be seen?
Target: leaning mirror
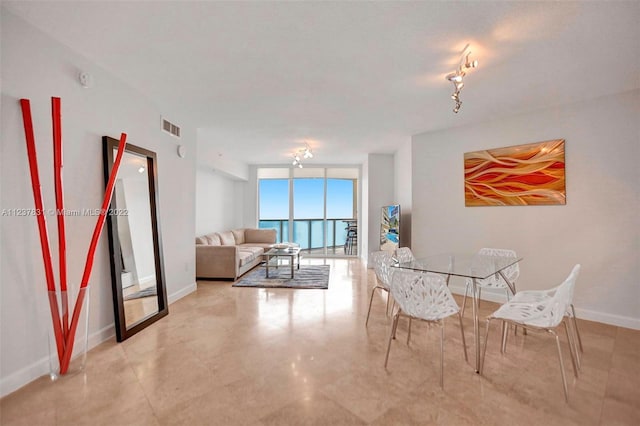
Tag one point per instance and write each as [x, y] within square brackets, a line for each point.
[135, 247]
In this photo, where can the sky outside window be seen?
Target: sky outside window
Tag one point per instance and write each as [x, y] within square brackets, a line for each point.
[274, 199]
[308, 198]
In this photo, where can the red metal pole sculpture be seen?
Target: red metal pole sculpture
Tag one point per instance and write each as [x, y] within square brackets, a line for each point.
[63, 330]
[62, 240]
[42, 224]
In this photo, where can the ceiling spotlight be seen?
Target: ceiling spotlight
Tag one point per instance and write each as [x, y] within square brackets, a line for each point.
[300, 155]
[307, 152]
[141, 169]
[472, 64]
[458, 75]
[455, 77]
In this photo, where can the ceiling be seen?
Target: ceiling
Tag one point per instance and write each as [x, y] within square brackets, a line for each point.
[259, 79]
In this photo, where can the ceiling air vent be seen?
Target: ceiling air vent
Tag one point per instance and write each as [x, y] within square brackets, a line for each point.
[171, 128]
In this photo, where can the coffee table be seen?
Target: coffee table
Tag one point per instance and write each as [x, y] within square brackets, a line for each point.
[272, 258]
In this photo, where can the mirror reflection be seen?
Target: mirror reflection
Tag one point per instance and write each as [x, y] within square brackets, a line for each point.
[138, 276]
[135, 242]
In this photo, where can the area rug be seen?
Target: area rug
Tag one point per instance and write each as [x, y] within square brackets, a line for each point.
[147, 292]
[308, 276]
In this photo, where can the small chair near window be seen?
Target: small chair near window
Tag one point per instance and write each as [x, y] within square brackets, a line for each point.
[382, 265]
[545, 314]
[425, 297]
[351, 243]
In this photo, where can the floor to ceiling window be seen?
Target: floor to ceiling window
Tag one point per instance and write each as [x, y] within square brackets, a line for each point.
[319, 205]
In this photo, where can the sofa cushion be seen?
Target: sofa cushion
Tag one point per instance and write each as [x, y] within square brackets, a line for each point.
[227, 238]
[238, 234]
[257, 250]
[260, 236]
[262, 246]
[213, 239]
[202, 240]
[246, 256]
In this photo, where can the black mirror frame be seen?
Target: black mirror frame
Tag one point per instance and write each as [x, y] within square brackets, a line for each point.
[122, 333]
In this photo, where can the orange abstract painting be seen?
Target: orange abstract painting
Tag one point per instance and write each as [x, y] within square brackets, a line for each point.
[523, 175]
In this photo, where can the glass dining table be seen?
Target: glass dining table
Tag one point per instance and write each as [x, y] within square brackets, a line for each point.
[473, 266]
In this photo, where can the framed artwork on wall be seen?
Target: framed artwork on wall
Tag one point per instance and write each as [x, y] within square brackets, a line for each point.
[390, 228]
[522, 175]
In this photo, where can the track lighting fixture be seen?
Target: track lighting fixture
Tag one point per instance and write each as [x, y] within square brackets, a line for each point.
[458, 75]
[302, 154]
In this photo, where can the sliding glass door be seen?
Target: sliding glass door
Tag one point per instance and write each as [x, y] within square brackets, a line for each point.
[319, 205]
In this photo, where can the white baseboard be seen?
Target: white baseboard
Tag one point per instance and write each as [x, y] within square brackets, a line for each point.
[184, 291]
[499, 296]
[39, 368]
[606, 318]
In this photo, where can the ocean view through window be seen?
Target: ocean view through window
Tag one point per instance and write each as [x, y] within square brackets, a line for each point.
[313, 207]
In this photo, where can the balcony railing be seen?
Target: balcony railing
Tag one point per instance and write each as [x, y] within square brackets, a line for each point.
[310, 233]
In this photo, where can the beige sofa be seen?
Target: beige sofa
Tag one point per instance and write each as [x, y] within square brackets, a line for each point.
[230, 254]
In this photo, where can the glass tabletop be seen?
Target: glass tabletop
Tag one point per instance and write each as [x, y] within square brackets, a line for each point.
[289, 251]
[461, 265]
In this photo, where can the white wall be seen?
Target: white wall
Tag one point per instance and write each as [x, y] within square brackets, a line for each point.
[209, 156]
[403, 190]
[250, 195]
[381, 193]
[598, 227]
[36, 67]
[218, 202]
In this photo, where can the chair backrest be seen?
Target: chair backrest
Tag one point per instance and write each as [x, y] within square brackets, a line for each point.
[557, 306]
[404, 254]
[422, 295]
[382, 265]
[512, 272]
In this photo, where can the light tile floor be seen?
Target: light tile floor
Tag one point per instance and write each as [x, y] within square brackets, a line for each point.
[304, 357]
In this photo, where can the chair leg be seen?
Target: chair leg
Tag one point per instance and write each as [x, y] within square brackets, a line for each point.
[573, 346]
[388, 301]
[464, 301]
[464, 342]
[395, 328]
[505, 333]
[442, 354]
[370, 302]
[394, 324]
[409, 333]
[564, 378]
[575, 325]
[574, 334]
[484, 349]
[507, 290]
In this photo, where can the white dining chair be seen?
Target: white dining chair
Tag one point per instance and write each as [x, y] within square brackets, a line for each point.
[542, 315]
[424, 297]
[404, 254]
[538, 296]
[382, 265]
[495, 281]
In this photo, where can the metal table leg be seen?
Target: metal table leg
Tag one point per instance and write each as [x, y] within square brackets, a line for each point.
[268, 257]
[475, 324]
